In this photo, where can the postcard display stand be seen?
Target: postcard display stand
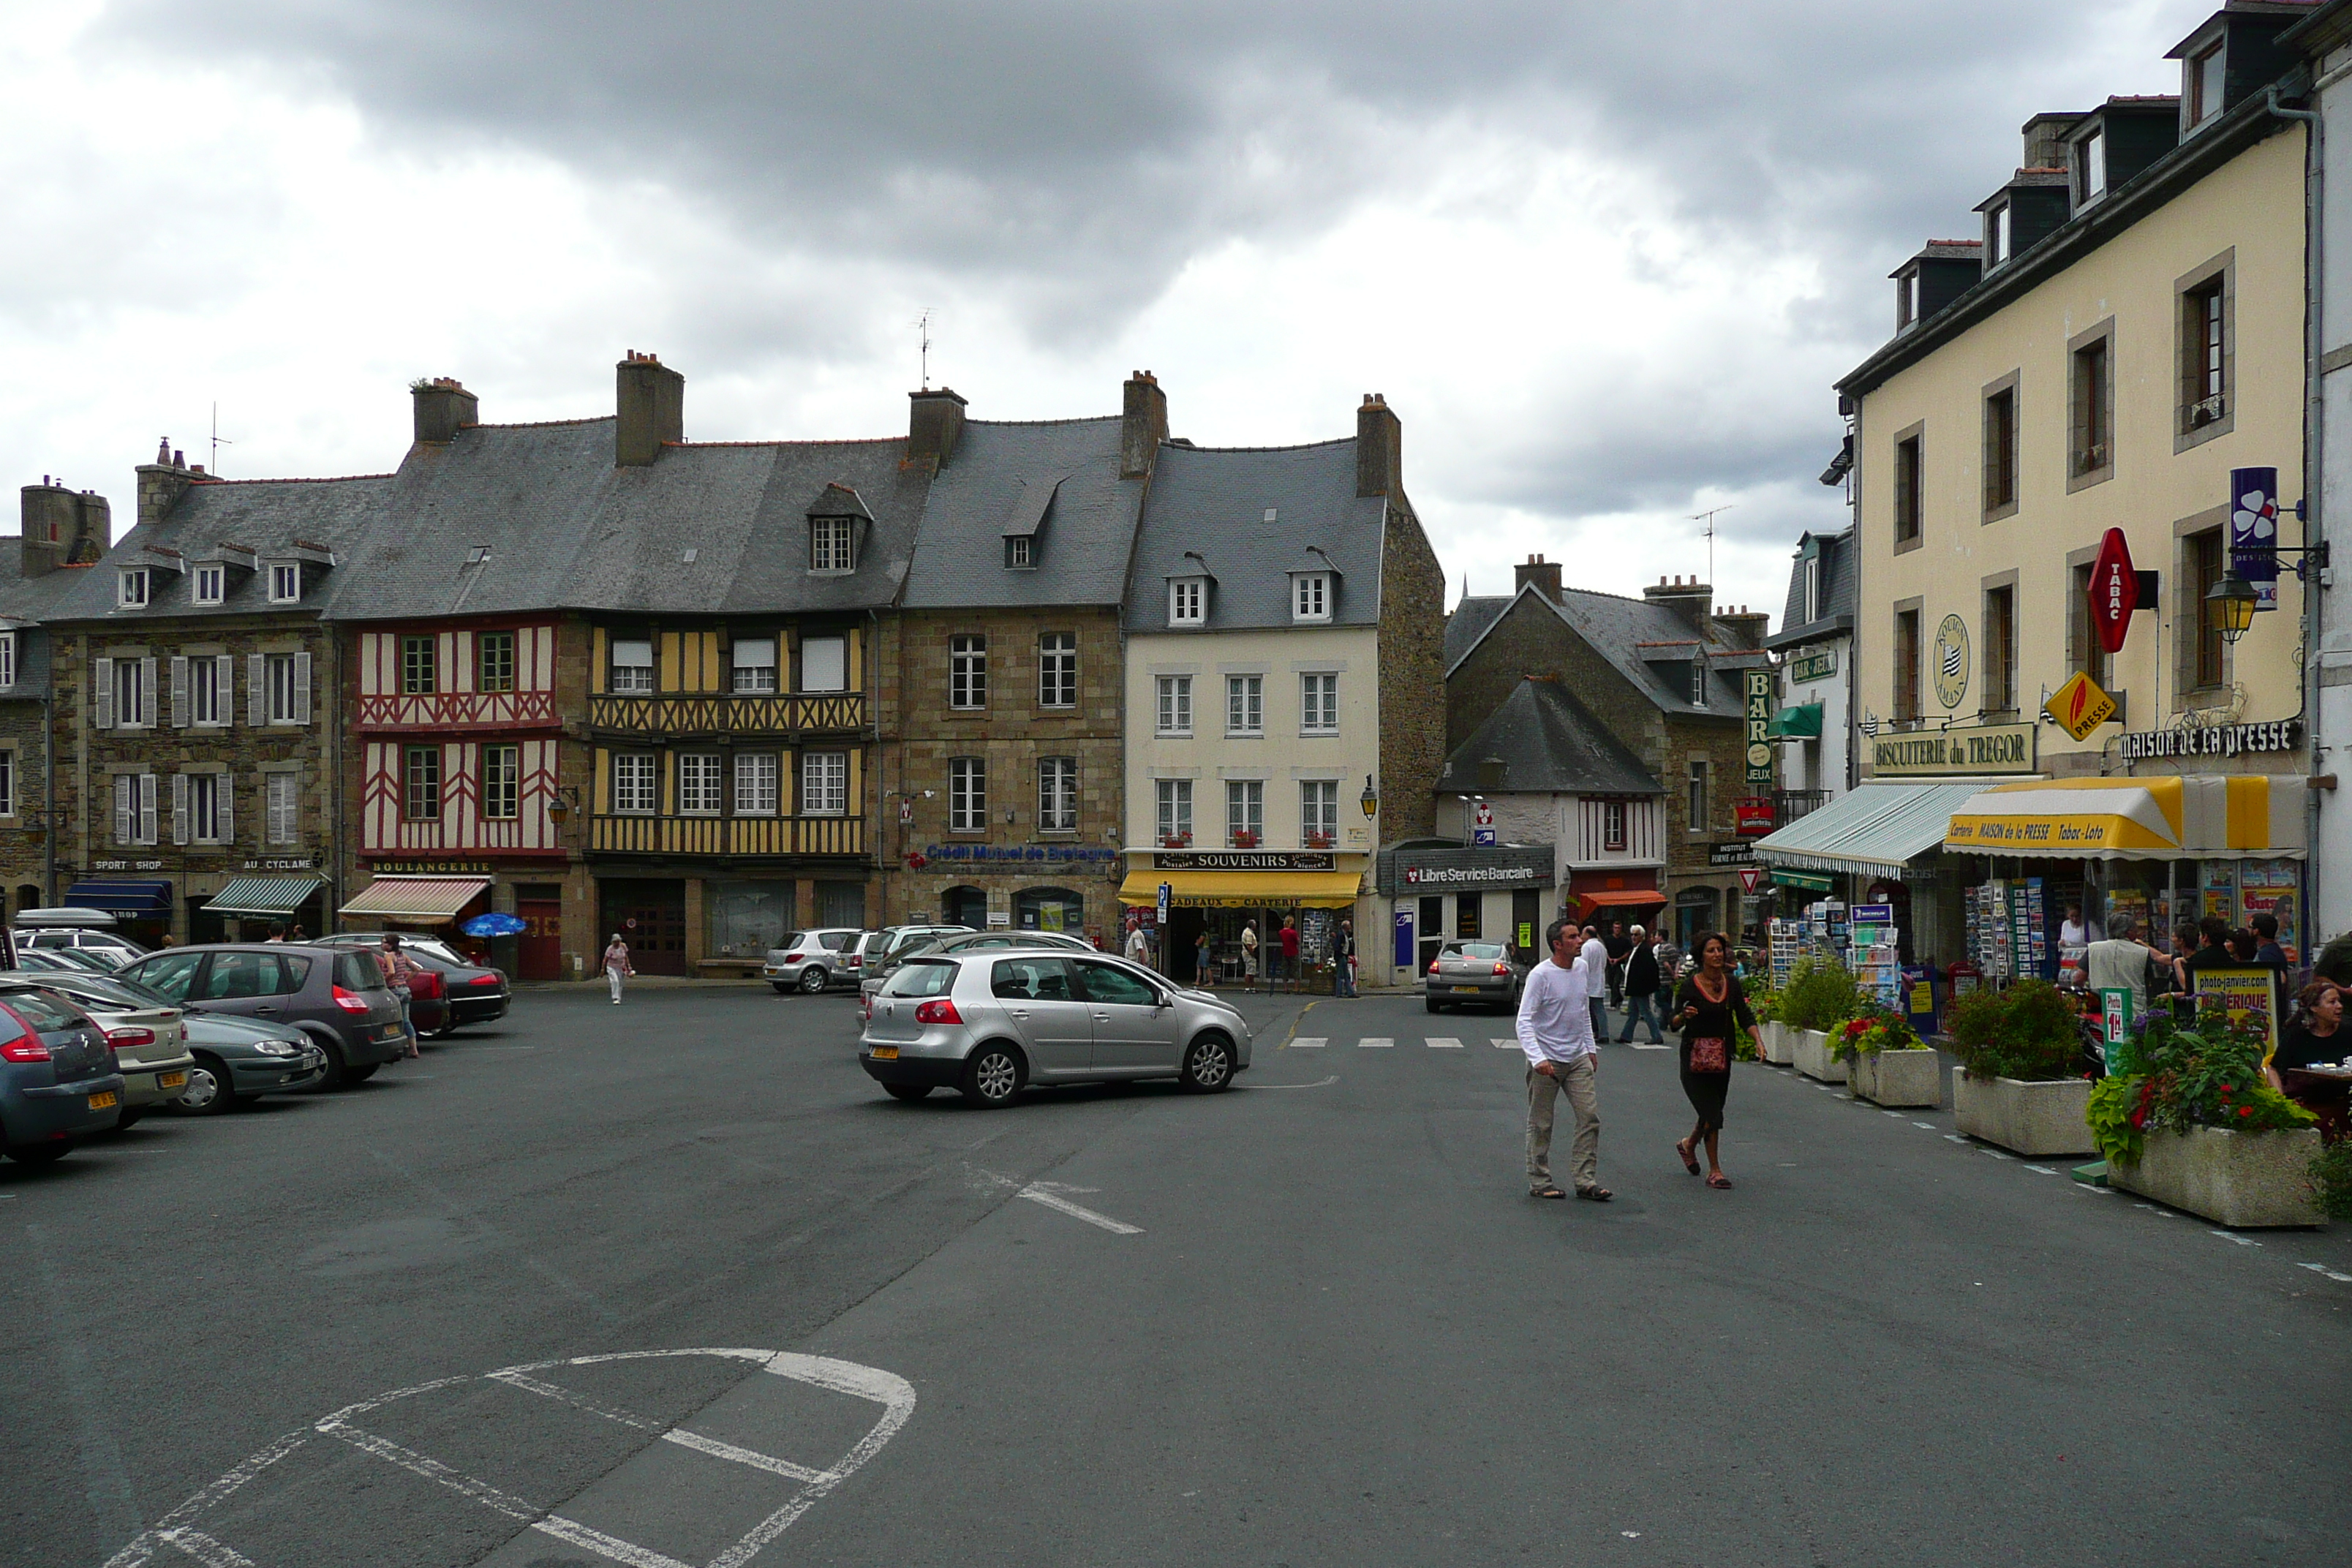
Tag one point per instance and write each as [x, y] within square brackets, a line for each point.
[1786, 938]
[2009, 930]
[1874, 954]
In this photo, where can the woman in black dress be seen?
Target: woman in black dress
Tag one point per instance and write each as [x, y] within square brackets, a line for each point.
[2315, 1034]
[1710, 1008]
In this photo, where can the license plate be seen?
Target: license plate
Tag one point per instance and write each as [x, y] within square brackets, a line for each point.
[1470, 988]
[102, 1101]
[171, 1080]
[886, 1053]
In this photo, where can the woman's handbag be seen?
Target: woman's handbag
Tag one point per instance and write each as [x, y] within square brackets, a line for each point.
[1710, 1054]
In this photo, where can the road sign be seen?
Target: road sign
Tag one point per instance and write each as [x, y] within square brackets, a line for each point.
[1750, 875]
[1164, 891]
[2113, 591]
[2080, 706]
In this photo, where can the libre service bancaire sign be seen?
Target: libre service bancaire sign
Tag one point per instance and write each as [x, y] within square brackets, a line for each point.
[1978, 749]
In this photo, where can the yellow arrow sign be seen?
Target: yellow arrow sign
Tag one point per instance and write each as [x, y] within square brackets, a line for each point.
[2079, 707]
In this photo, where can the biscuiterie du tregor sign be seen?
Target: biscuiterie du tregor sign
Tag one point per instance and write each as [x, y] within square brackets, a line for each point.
[1978, 749]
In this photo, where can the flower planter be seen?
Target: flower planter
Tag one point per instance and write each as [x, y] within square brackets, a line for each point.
[1810, 1053]
[1778, 1042]
[2027, 1118]
[1897, 1078]
[2244, 1180]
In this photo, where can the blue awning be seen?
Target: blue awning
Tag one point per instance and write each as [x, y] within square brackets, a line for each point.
[122, 898]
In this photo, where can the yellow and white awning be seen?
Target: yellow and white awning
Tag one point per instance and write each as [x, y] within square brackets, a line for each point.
[2213, 816]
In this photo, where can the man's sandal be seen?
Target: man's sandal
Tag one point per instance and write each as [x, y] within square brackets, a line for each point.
[1595, 1195]
[1546, 1192]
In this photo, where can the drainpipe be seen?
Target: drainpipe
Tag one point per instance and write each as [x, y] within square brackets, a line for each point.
[49, 771]
[872, 676]
[2315, 427]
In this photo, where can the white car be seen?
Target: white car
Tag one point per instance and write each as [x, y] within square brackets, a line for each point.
[810, 962]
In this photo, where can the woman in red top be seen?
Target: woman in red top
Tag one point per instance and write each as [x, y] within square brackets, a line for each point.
[1290, 949]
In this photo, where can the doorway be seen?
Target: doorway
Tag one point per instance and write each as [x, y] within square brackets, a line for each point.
[538, 950]
[1526, 921]
[1432, 928]
[965, 907]
[650, 915]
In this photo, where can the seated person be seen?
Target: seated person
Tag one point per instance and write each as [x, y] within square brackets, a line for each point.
[2314, 1033]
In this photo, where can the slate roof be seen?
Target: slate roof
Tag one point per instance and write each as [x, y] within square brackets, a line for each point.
[24, 600]
[270, 517]
[1083, 537]
[1548, 743]
[1838, 568]
[1636, 636]
[1213, 501]
[1469, 622]
[711, 529]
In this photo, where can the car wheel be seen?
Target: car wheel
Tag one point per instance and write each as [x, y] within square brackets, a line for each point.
[1433, 1003]
[209, 1092]
[781, 990]
[361, 1075]
[992, 1076]
[129, 1120]
[39, 1154]
[336, 1074]
[907, 1092]
[1208, 1065]
[812, 981]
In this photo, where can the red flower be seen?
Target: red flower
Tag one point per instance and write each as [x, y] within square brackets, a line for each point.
[2245, 1110]
[2140, 1117]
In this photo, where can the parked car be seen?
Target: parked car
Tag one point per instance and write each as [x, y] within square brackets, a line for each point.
[334, 995]
[74, 928]
[476, 994]
[811, 960]
[903, 940]
[989, 1021]
[963, 939]
[57, 1079]
[237, 1060]
[70, 960]
[150, 1049]
[1481, 971]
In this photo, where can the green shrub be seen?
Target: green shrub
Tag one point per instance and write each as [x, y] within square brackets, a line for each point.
[2113, 1100]
[1820, 994]
[2029, 1032]
[1871, 1032]
[2331, 1177]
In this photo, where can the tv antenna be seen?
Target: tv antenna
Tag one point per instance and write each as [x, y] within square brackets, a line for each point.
[219, 441]
[923, 325]
[1707, 517]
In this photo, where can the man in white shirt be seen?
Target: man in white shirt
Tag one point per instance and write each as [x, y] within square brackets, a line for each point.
[1556, 1033]
[1593, 959]
[2118, 963]
[1139, 946]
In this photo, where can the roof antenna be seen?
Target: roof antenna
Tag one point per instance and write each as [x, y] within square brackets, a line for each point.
[923, 324]
[219, 441]
[1707, 518]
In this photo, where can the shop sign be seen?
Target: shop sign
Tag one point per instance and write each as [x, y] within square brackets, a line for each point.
[1241, 860]
[1759, 727]
[1951, 661]
[1482, 828]
[1469, 876]
[2113, 591]
[1012, 853]
[1813, 667]
[2242, 994]
[429, 867]
[1978, 749]
[1738, 852]
[2253, 531]
[306, 863]
[2080, 706]
[1752, 816]
[2213, 741]
[1805, 880]
[125, 865]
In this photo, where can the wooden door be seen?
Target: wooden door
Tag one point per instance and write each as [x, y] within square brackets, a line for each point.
[539, 951]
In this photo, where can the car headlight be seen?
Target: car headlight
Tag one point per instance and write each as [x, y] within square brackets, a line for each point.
[276, 1047]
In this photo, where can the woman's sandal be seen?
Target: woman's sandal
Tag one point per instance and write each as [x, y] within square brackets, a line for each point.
[1546, 1192]
[1720, 1182]
[1689, 1156]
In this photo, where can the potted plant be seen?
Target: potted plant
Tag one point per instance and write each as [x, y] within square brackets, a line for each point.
[2022, 1081]
[2197, 1126]
[1774, 1035]
[1244, 839]
[1820, 996]
[1175, 841]
[1888, 1063]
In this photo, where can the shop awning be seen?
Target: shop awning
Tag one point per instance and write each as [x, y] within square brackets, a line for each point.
[1872, 830]
[1623, 898]
[2211, 816]
[1803, 722]
[1242, 890]
[264, 895]
[416, 897]
[125, 898]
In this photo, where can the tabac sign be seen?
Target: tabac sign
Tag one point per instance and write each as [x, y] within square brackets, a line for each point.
[1759, 727]
[1978, 749]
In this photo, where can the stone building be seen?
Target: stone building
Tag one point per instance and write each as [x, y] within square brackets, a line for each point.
[1662, 674]
[64, 532]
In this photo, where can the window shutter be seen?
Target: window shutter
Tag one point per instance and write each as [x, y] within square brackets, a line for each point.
[102, 696]
[179, 808]
[224, 700]
[301, 689]
[179, 693]
[256, 690]
[146, 808]
[227, 787]
[281, 808]
[147, 692]
[125, 813]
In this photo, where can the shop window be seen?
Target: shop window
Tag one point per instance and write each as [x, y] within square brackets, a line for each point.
[1048, 908]
[747, 919]
[1465, 914]
[965, 907]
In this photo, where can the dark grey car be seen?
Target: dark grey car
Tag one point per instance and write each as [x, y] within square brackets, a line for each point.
[335, 996]
[240, 1059]
[58, 1082]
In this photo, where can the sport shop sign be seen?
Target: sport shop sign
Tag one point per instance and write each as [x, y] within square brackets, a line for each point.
[2213, 741]
[1978, 749]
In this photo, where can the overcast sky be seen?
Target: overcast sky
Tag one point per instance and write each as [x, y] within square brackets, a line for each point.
[1604, 260]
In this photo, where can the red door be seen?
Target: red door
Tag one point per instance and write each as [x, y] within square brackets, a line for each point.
[540, 950]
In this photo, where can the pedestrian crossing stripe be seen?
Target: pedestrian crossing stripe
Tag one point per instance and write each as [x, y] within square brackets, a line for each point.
[1375, 1043]
[1505, 1042]
[1442, 1043]
[1312, 1043]
[1642, 1048]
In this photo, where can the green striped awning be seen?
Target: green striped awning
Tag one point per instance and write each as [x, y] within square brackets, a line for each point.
[264, 895]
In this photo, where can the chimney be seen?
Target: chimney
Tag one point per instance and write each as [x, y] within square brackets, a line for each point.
[443, 408]
[2044, 138]
[1543, 573]
[934, 425]
[1743, 627]
[1142, 426]
[651, 399]
[1689, 600]
[1380, 449]
[62, 526]
[161, 483]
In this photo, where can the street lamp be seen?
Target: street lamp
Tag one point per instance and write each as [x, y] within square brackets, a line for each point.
[1371, 799]
[559, 810]
[2231, 602]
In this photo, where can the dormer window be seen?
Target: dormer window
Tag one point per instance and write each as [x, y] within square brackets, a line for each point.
[1997, 237]
[1907, 298]
[2201, 85]
[1188, 602]
[211, 584]
[1813, 597]
[1310, 596]
[285, 582]
[833, 544]
[1020, 551]
[1698, 679]
[130, 588]
[2091, 167]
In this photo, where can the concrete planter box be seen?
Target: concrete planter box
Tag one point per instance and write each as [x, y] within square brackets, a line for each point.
[2028, 1118]
[1778, 1048]
[1810, 1053]
[2244, 1180]
[1897, 1078]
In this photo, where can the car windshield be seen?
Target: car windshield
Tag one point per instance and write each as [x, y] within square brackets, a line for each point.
[835, 940]
[111, 993]
[88, 960]
[43, 1012]
[1482, 949]
[922, 977]
[792, 941]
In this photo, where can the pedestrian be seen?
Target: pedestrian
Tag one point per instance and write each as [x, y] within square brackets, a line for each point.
[2272, 957]
[1556, 1033]
[2118, 963]
[1620, 948]
[1249, 956]
[1139, 946]
[1290, 949]
[277, 932]
[295, 934]
[1594, 956]
[1642, 989]
[2210, 937]
[617, 966]
[1708, 1008]
[396, 967]
[1343, 960]
[1204, 967]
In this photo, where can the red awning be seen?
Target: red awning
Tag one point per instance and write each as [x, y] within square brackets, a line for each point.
[1624, 898]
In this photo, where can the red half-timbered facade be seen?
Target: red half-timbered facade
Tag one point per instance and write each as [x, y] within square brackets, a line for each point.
[458, 738]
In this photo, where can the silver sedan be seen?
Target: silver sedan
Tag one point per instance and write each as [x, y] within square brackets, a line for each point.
[992, 1021]
[1479, 971]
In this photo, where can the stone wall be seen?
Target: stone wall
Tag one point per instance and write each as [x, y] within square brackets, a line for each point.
[1413, 679]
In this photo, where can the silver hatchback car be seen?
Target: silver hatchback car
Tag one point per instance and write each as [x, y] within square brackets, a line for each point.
[990, 1023]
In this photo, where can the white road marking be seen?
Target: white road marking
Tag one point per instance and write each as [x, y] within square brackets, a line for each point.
[610, 1547]
[576, 1400]
[1644, 1047]
[1992, 1153]
[2322, 1269]
[205, 1550]
[1444, 1042]
[432, 1470]
[1375, 1043]
[1311, 1043]
[1928, 1125]
[1950, 1137]
[750, 1457]
[2041, 1170]
[1504, 1042]
[2241, 1240]
[1897, 1114]
[1319, 1083]
[1076, 1211]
